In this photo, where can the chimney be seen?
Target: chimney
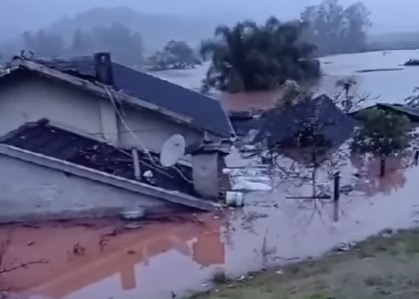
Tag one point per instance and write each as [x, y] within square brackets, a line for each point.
[207, 163]
[103, 68]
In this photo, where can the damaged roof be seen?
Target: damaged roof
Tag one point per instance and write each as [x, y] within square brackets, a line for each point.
[321, 112]
[45, 139]
[204, 113]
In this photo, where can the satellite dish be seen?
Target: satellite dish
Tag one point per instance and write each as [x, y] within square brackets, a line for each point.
[172, 150]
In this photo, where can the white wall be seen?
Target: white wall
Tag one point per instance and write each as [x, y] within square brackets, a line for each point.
[31, 190]
[31, 99]
[150, 130]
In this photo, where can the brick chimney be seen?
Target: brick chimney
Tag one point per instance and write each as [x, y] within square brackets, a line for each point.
[103, 68]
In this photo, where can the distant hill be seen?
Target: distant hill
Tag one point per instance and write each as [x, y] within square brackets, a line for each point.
[156, 29]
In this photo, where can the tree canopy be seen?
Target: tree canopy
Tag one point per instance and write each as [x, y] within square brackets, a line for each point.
[337, 29]
[175, 55]
[248, 56]
[382, 133]
[125, 45]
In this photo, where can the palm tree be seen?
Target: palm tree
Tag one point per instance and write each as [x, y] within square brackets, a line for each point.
[249, 57]
[235, 62]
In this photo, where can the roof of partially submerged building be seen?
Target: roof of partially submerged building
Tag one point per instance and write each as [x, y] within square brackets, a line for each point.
[321, 112]
[43, 138]
[204, 112]
[411, 112]
[259, 101]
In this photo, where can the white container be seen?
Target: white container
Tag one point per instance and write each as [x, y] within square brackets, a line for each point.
[134, 214]
[234, 199]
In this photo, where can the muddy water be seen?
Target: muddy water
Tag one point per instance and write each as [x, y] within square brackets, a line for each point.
[103, 259]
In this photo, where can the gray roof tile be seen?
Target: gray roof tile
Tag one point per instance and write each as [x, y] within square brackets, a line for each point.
[206, 113]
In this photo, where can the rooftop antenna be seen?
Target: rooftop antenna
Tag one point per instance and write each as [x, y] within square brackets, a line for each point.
[172, 150]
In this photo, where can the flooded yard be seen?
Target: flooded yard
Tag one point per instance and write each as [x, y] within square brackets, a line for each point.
[110, 259]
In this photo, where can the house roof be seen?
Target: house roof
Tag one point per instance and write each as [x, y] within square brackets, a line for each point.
[287, 122]
[259, 101]
[46, 139]
[198, 110]
[411, 112]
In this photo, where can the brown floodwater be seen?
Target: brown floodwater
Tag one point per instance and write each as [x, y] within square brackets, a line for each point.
[104, 259]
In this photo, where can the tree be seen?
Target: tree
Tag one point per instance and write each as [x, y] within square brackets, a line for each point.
[249, 57]
[175, 55]
[335, 29]
[383, 134]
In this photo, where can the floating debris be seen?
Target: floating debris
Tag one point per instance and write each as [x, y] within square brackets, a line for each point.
[135, 214]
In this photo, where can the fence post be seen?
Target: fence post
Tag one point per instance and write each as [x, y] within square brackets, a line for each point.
[336, 195]
[382, 167]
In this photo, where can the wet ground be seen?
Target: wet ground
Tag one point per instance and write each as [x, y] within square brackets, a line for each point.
[105, 259]
[382, 267]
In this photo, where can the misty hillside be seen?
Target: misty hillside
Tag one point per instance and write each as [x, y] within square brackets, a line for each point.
[156, 29]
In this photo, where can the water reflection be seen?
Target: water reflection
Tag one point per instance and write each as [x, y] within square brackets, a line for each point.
[371, 182]
[108, 253]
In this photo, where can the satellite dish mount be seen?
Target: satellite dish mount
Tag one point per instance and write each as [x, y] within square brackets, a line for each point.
[172, 150]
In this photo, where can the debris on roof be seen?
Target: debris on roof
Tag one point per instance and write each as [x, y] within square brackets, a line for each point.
[46, 139]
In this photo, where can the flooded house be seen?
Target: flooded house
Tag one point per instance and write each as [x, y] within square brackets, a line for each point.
[247, 110]
[314, 122]
[83, 137]
[411, 112]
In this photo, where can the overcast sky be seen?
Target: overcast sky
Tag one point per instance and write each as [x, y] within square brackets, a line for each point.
[387, 15]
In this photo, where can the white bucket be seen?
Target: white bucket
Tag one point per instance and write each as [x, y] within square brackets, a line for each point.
[234, 199]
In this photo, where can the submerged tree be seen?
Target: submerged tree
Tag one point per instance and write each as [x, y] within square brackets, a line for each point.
[383, 134]
[249, 57]
[175, 55]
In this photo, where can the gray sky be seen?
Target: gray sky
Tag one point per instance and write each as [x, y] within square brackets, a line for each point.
[18, 15]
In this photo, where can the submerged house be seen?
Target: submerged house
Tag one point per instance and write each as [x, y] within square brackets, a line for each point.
[85, 133]
[311, 122]
[412, 113]
[247, 110]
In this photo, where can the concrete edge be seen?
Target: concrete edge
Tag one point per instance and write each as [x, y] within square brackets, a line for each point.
[173, 197]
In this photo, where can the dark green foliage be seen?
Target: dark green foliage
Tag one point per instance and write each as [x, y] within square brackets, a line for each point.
[249, 57]
[412, 62]
[175, 55]
[382, 133]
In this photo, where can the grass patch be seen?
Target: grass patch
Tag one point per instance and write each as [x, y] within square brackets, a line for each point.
[382, 267]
